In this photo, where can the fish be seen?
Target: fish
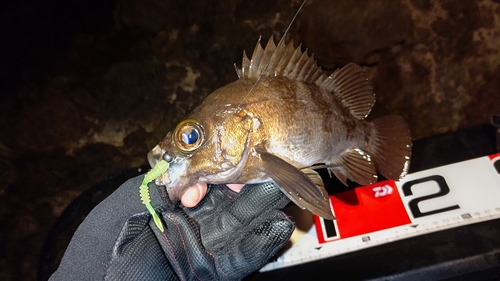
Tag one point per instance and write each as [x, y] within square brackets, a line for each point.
[281, 118]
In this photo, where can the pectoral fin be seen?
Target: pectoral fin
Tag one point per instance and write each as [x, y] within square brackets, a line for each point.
[297, 185]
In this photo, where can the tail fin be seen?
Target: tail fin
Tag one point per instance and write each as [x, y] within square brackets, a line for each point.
[390, 146]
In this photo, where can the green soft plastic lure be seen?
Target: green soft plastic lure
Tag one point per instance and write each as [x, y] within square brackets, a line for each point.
[160, 168]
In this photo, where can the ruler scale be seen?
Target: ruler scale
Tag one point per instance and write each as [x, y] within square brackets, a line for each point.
[423, 202]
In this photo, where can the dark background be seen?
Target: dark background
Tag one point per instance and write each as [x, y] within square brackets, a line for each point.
[88, 87]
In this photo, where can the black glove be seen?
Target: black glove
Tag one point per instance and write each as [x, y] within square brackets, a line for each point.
[226, 237]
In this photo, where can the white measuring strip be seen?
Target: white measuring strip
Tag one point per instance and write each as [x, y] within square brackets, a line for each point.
[427, 201]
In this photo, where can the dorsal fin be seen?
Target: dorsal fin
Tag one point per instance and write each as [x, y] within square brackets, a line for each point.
[353, 87]
[350, 84]
[283, 60]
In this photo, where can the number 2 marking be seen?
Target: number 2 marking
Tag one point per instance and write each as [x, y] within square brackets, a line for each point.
[413, 204]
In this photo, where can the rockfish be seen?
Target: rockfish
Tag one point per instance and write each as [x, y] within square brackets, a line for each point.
[280, 118]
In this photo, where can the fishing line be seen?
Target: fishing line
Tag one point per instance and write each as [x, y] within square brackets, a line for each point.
[267, 64]
[279, 43]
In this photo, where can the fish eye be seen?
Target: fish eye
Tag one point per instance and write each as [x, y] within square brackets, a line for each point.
[188, 135]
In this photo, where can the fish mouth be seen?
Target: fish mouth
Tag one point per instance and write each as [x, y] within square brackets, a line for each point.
[155, 156]
[176, 168]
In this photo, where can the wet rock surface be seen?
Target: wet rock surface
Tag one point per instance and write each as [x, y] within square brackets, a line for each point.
[86, 89]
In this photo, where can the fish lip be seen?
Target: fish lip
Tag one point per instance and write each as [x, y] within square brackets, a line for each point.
[175, 173]
[168, 178]
[155, 156]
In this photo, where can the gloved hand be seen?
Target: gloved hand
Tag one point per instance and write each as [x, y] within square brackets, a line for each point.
[226, 236]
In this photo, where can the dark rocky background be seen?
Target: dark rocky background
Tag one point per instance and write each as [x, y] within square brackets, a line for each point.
[87, 87]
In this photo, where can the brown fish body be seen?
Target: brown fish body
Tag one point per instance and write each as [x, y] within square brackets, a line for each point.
[282, 116]
[298, 122]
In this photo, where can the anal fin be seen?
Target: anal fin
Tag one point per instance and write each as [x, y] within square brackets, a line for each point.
[356, 165]
[296, 185]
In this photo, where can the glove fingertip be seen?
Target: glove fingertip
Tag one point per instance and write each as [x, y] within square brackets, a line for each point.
[279, 229]
[257, 246]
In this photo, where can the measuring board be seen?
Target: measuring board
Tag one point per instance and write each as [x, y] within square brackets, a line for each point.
[423, 202]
